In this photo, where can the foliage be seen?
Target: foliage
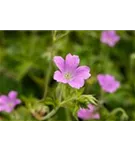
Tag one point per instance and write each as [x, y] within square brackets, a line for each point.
[26, 66]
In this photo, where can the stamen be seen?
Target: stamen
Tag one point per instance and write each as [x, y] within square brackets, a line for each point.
[67, 76]
[10, 104]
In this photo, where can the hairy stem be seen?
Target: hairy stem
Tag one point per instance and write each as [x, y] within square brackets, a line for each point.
[49, 115]
[54, 39]
[47, 80]
[115, 111]
[53, 112]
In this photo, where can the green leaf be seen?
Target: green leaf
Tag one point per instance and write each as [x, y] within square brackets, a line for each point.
[104, 113]
[62, 115]
[60, 34]
[29, 99]
[51, 101]
[86, 99]
[75, 110]
[79, 92]
[59, 91]
[29, 102]
[23, 69]
[119, 112]
[37, 80]
[7, 84]
[21, 114]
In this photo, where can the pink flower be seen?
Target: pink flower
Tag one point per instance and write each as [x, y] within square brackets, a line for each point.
[7, 103]
[108, 83]
[110, 38]
[89, 113]
[69, 72]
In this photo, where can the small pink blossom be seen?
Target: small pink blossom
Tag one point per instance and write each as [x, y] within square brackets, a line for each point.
[108, 83]
[89, 113]
[7, 103]
[110, 38]
[69, 72]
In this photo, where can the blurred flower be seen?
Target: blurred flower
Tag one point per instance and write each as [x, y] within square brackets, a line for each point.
[110, 38]
[7, 103]
[88, 113]
[69, 72]
[108, 83]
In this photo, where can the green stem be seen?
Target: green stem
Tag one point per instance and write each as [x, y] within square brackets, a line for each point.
[104, 55]
[102, 97]
[131, 71]
[54, 38]
[67, 114]
[49, 115]
[101, 94]
[62, 92]
[62, 35]
[47, 80]
[66, 101]
[54, 35]
[115, 111]
[53, 112]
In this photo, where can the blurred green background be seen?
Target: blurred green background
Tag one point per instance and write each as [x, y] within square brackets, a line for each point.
[25, 56]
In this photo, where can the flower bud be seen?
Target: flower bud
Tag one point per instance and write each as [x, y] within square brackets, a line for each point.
[40, 111]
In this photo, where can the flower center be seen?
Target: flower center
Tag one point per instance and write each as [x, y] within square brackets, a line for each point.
[67, 76]
[10, 104]
[110, 39]
[109, 85]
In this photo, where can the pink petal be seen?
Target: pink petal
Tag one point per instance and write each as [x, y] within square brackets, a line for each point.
[109, 77]
[111, 88]
[104, 36]
[80, 113]
[109, 37]
[76, 83]
[2, 107]
[72, 61]
[91, 108]
[8, 109]
[17, 101]
[112, 32]
[58, 76]
[83, 72]
[117, 84]
[59, 61]
[84, 114]
[12, 95]
[96, 116]
[3, 99]
[116, 39]
[111, 43]
[101, 79]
